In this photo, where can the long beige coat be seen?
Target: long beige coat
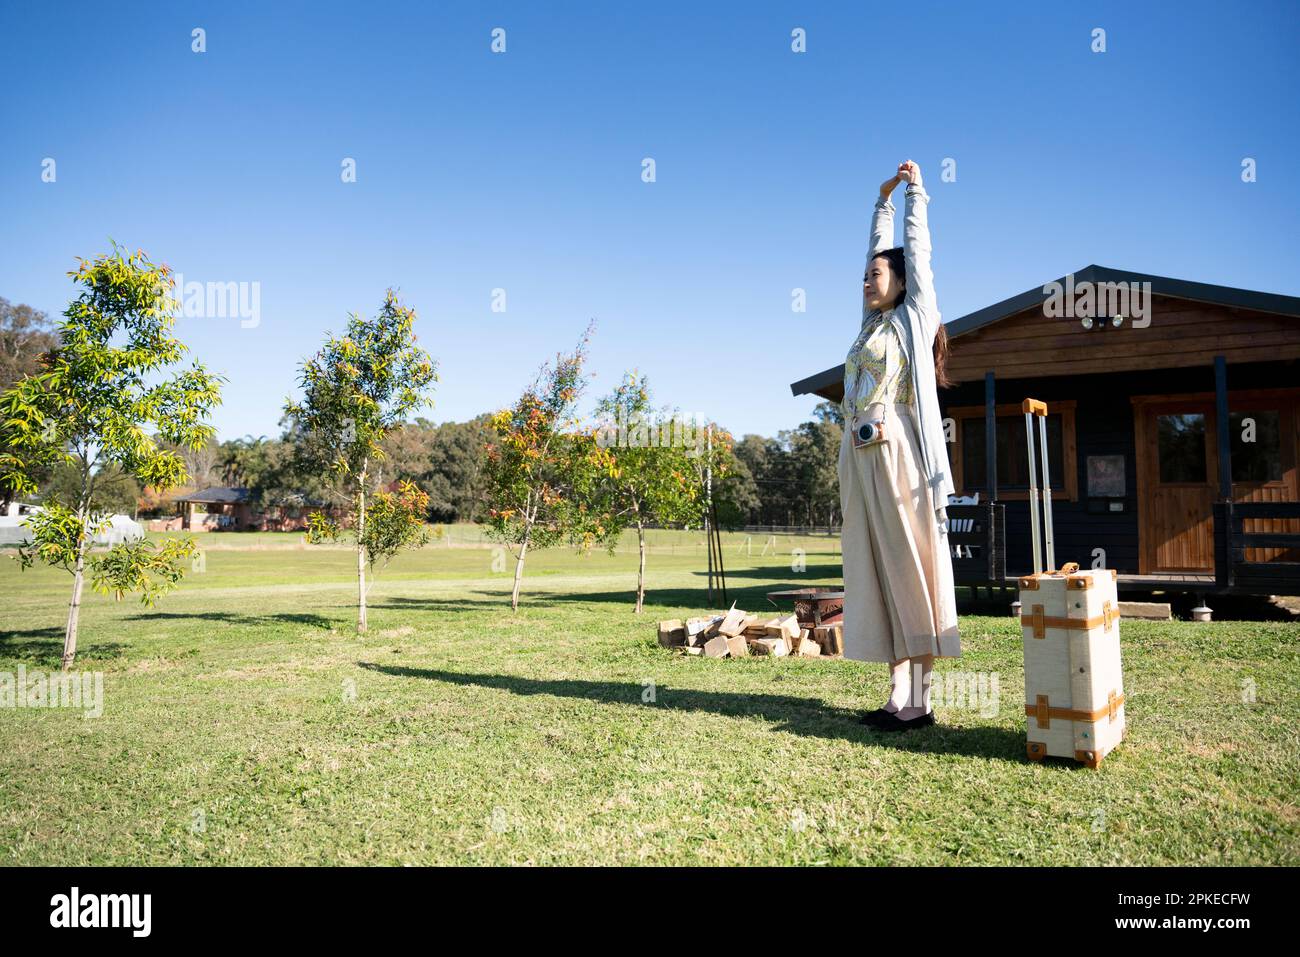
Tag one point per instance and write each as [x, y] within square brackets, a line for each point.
[898, 583]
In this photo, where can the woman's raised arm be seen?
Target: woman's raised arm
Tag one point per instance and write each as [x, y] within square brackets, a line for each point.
[882, 220]
[916, 244]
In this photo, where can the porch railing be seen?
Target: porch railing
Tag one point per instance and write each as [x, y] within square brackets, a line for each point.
[1231, 568]
[977, 536]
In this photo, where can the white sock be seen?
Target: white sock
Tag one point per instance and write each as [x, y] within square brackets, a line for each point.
[901, 688]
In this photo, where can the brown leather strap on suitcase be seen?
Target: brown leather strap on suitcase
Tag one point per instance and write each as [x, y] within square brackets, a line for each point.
[1040, 622]
[1044, 712]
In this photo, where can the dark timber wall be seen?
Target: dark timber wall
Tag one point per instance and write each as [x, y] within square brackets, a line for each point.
[1103, 425]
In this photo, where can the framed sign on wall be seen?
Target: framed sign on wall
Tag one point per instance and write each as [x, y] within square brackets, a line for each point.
[1106, 476]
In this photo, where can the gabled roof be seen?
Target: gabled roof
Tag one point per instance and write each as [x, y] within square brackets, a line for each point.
[1160, 286]
[216, 495]
[814, 384]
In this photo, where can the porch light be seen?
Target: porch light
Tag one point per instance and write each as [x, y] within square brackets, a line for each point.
[1101, 324]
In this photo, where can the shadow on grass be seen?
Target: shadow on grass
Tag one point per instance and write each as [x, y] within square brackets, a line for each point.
[231, 618]
[492, 602]
[801, 579]
[45, 646]
[806, 716]
[753, 599]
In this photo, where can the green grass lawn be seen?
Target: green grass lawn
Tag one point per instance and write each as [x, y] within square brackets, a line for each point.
[245, 723]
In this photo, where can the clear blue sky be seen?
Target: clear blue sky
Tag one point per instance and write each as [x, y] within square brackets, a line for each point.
[523, 171]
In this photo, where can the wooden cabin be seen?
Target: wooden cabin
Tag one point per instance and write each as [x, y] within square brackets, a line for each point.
[215, 509]
[1174, 431]
[227, 509]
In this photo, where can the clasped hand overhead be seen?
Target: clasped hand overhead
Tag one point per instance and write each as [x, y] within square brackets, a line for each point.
[908, 172]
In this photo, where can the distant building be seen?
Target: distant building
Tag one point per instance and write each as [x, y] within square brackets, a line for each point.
[229, 509]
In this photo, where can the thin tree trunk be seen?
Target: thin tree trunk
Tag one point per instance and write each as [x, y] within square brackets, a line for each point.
[361, 589]
[74, 609]
[640, 575]
[79, 569]
[361, 553]
[519, 566]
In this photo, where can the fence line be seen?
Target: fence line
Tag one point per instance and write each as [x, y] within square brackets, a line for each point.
[746, 540]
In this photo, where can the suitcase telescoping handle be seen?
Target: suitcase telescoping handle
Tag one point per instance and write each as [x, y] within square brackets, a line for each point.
[1034, 409]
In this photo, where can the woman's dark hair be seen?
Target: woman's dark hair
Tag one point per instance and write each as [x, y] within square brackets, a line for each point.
[898, 267]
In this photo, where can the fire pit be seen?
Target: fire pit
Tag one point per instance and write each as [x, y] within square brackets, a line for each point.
[812, 606]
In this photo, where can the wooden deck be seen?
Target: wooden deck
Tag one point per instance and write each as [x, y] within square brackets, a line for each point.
[1167, 581]
[1190, 579]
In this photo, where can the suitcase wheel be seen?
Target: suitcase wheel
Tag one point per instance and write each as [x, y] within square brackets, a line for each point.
[1089, 758]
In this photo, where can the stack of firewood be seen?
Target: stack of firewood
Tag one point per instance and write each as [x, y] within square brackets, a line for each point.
[738, 634]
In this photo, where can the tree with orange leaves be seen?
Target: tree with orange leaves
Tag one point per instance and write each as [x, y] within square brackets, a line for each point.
[538, 465]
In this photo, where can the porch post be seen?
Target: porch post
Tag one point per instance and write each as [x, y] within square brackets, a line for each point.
[1221, 414]
[990, 439]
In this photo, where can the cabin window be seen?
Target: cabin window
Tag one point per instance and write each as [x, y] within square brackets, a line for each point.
[1013, 456]
[966, 450]
[1256, 442]
[1180, 447]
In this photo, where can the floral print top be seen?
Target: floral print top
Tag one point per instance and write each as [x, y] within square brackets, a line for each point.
[875, 370]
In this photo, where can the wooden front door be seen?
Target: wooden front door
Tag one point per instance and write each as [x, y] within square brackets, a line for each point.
[1178, 471]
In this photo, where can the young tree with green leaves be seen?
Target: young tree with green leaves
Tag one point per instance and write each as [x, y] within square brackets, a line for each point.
[647, 470]
[538, 463]
[356, 390]
[97, 405]
[394, 522]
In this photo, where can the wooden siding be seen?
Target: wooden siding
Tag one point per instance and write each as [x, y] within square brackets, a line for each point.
[1104, 425]
[1181, 334]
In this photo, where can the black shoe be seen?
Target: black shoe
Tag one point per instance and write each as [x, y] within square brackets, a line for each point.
[895, 723]
[876, 718]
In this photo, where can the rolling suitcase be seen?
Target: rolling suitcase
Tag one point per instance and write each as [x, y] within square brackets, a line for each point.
[1074, 685]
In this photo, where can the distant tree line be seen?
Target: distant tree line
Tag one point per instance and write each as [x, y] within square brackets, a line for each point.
[792, 479]
[444, 460]
[787, 480]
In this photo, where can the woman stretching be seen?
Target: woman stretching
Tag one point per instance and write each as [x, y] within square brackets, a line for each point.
[899, 603]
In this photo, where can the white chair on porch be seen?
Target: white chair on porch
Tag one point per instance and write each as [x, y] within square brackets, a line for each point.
[962, 524]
